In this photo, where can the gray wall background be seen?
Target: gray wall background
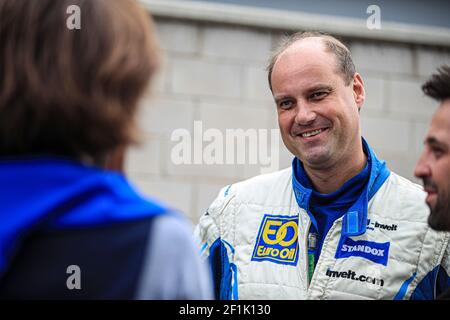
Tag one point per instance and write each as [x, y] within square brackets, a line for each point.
[430, 12]
[215, 72]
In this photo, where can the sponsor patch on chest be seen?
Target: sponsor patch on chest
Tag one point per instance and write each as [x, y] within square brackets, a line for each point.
[277, 240]
[372, 225]
[374, 251]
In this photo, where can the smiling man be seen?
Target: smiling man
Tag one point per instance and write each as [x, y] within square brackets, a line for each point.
[337, 224]
[433, 166]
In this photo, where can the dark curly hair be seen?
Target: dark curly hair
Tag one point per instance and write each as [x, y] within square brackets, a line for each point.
[438, 86]
[72, 92]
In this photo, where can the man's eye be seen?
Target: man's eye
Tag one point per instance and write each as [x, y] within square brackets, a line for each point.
[285, 104]
[318, 95]
[437, 152]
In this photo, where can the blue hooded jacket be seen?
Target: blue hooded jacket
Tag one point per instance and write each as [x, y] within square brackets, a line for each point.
[58, 194]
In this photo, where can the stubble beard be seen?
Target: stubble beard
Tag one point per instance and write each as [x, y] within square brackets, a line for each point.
[439, 218]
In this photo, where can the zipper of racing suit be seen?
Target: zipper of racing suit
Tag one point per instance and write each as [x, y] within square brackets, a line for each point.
[312, 251]
[310, 267]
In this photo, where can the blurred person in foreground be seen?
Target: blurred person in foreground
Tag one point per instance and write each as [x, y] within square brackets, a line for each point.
[338, 224]
[433, 166]
[71, 225]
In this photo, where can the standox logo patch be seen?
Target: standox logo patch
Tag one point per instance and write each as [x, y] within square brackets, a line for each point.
[373, 251]
[277, 240]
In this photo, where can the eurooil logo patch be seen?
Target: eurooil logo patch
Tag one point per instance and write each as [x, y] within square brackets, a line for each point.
[373, 251]
[277, 240]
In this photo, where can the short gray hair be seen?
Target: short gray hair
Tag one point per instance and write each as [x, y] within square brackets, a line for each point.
[345, 64]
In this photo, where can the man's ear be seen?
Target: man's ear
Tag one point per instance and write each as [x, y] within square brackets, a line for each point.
[359, 93]
[115, 160]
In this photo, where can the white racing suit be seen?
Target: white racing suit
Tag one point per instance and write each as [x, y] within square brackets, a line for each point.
[255, 235]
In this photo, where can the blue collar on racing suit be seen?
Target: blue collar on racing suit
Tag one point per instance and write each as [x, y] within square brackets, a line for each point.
[355, 220]
[57, 193]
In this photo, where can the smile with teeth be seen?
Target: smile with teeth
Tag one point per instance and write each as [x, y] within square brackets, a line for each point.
[311, 133]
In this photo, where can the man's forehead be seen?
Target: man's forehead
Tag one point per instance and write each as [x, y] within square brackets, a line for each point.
[306, 73]
[305, 55]
[314, 46]
[440, 124]
[311, 42]
[441, 118]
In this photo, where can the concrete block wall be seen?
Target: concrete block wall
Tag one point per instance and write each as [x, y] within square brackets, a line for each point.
[216, 74]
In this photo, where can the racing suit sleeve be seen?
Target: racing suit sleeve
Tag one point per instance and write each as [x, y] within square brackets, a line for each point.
[215, 249]
[436, 282]
[443, 278]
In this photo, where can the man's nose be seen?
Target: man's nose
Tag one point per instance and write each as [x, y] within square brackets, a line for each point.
[422, 169]
[305, 115]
